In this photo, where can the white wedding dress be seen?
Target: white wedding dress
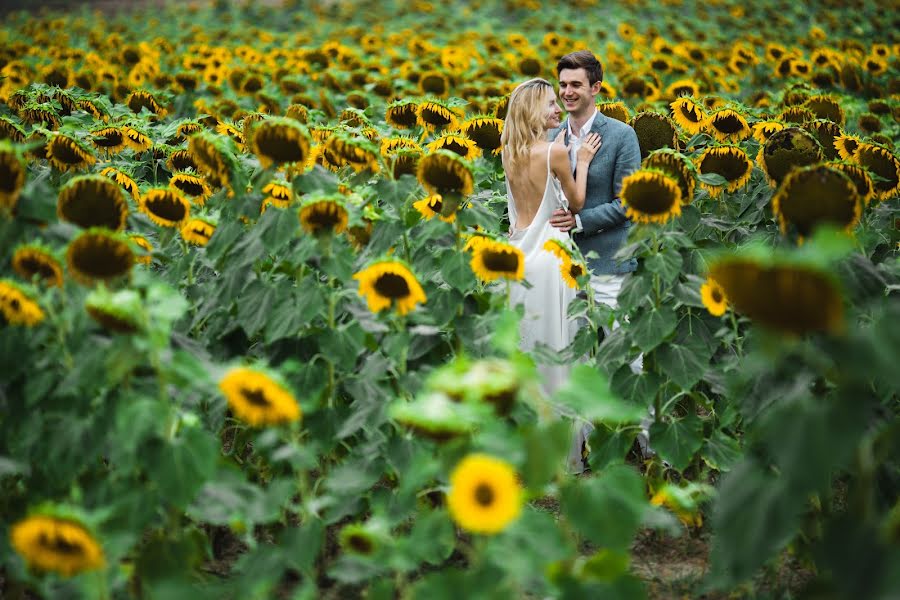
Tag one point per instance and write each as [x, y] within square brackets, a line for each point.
[547, 300]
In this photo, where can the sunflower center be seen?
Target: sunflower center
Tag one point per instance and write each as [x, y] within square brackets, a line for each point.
[38, 266]
[280, 145]
[109, 138]
[717, 296]
[654, 132]
[484, 495]
[67, 152]
[576, 271]
[360, 544]
[189, 187]
[324, 216]
[8, 178]
[405, 115]
[502, 262]
[728, 124]
[730, 166]
[167, 207]
[59, 545]
[391, 285]
[435, 116]
[650, 195]
[99, 257]
[256, 398]
[94, 204]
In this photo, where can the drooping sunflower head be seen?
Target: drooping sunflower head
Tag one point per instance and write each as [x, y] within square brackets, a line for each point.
[55, 544]
[213, 156]
[494, 259]
[278, 141]
[12, 131]
[713, 296]
[257, 398]
[278, 194]
[118, 312]
[824, 106]
[731, 162]
[457, 144]
[654, 131]
[727, 125]
[435, 115]
[186, 129]
[788, 149]
[197, 230]
[136, 139]
[98, 255]
[650, 196]
[884, 165]
[846, 146]
[192, 186]
[108, 140]
[571, 268]
[139, 100]
[816, 195]
[123, 180]
[344, 149]
[167, 207]
[144, 245]
[485, 131]
[323, 214]
[434, 83]
[445, 173]
[865, 187]
[402, 114]
[826, 132]
[432, 206]
[18, 306]
[614, 110]
[34, 260]
[92, 201]
[390, 282]
[675, 165]
[485, 495]
[12, 176]
[66, 153]
[763, 129]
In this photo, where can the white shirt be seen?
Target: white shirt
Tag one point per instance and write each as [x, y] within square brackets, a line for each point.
[574, 144]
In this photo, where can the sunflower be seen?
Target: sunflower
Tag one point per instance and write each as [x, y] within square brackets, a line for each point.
[826, 132]
[297, 112]
[884, 165]
[11, 131]
[387, 282]
[860, 177]
[17, 306]
[435, 115]
[116, 312]
[108, 140]
[278, 194]
[181, 160]
[53, 544]
[361, 539]
[682, 88]
[825, 107]
[34, 260]
[727, 125]
[676, 165]
[493, 259]
[788, 149]
[191, 185]
[811, 196]
[445, 173]
[402, 114]
[431, 206]
[846, 146]
[277, 141]
[12, 176]
[35, 114]
[650, 196]
[92, 201]
[343, 149]
[123, 180]
[731, 162]
[98, 254]
[138, 100]
[197, 231]
[797, 115]
[790, 298]
[390, 145]
[66, 153]
[212, 157]
[227, 129]
[434, 83]
[570, 268]
[485, 495]
[323, 215]
[654, 131]
[614, 110]
[713, 296]
[145, 245]
[501, 106]
[188, 128]
[166, 207]
[485, 131]
[458, 144]
[136, 139]
[256, 398]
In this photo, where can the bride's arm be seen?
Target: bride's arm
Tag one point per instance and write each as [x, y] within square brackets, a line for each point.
[574, 187]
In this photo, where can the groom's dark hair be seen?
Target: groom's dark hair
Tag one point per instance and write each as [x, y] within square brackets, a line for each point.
[583, 59]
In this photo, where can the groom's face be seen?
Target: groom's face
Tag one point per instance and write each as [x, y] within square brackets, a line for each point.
[576, 92]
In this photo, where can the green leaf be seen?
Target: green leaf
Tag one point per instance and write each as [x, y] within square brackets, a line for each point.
[301, 544]
[456, 271]
[677, 441]
[546, 448]
[653, 327]
[181, 466]
[317, 180]
[254, 306]
[684, 362]
[278, 228]
[609, 446]
[635, 291]
[229, 499]
[506, 332]
[607, 508]
[667, 264]
[712, 179]
[587, 394]
[534, 534]
[638, 388]
[721, 451]
[432, 538]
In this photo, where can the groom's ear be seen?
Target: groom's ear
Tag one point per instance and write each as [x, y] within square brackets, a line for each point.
[595, 88]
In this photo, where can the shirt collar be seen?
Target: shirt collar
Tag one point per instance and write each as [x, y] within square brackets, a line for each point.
[584, 128]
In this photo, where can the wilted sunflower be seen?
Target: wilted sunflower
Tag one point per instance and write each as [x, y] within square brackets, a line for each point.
[793, 299]
[402, 114]
[92, 201]
[166, 207]
[883, 164]
[826, 132]
[137, 140]
[860, 177]
[34, 260]
[445, 173]
[212, 157]
[257, 399]
[123, 180]
[727, 125]
[98, 254]
[181, 160]
[731, 162]
[816, 195]
[141, 99]
[197, 231]
[63, 546]
[485, 131]
[485, 495]
[431, 206]
[117, 312]
[654, 131]
[675, 165]
[277, 141]
[191, 185]
[650, 196]
[108, 140]
[457, 144]
[68, 154]
[387, 282]
[788, 149]
[343, 149]
[493, 259]
[323, 215]
[12, 176]
[713, 296]
[570, 268]
[614, 110]
[17, 306]
[434, 115]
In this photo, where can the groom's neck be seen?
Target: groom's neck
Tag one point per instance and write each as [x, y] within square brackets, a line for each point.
[578, 121]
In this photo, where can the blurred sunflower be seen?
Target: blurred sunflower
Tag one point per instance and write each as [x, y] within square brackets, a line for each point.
[141, 99]
[344, 149]
[435, 115]
[614, 110]
[257, 399]
[92, 201]
[323, 215]
[825, 107]
[116, 312]
[688, 114]
[457, 144]
[277, 141]
[98, 254]
[654, 131]
[390, 282]
[123, 180]
[727, 126]
[68, 154]
[136, 139]
[884, 165]
[860, 177]
[197, 230]
[62, 546]
[788, 149]
[145, 245]
[731, 162]
[434, 83]
[166, 207]
[445, 173]
[193, 186]
[650, 196]
[17, 306]
[402, 114]
[11, 131]
[108, 140]
[494, 259]
[12, 176]
[713, 297]
[278, 194]
[681, 88]
[485, 495]
[816, 195]
[431, 206]
[570, 268]
[33, 260]
[675, 165]
[212, 158]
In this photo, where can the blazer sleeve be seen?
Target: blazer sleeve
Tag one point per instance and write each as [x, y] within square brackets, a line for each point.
[611, 214]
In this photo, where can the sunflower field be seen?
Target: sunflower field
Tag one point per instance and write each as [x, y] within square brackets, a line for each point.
[255, 339]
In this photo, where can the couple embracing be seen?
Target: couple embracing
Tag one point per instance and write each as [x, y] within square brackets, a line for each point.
[568, 186]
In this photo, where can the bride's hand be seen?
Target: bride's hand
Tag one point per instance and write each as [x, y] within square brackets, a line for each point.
[561, 137]
[589, 148]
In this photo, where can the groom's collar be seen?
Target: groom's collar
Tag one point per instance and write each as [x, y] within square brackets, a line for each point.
[599, 121]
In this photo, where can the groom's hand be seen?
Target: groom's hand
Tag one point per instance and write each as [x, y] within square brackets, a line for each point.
[562, 219]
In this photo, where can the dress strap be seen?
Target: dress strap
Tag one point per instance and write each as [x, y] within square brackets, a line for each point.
[549, 149]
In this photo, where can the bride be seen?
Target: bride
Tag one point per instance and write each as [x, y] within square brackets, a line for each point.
[539, 180]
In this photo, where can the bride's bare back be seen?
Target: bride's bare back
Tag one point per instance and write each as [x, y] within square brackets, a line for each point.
[528, 185]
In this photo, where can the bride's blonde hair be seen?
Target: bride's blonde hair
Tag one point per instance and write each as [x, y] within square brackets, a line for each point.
[525, 118]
